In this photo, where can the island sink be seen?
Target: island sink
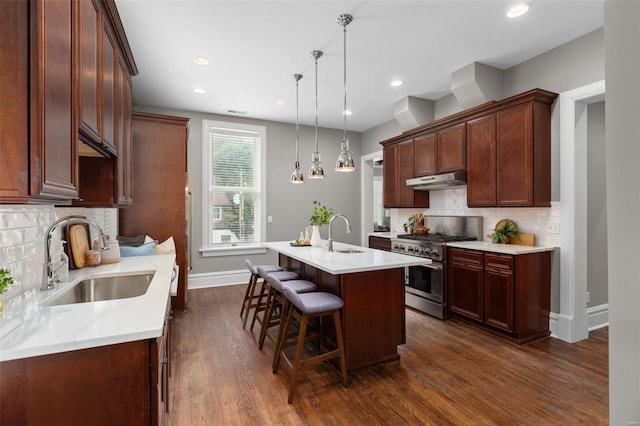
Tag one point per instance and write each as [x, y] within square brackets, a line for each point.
[104, 288]
[348, 251]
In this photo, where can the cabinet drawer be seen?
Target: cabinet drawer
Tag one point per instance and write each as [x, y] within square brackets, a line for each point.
[498, 261]
[380, 243]
[467, 256]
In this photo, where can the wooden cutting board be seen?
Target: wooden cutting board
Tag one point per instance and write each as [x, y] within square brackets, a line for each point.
[79, 244]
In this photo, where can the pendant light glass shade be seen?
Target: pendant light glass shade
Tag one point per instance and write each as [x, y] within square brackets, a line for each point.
[316, 171]
[296, 175]
[345, 159]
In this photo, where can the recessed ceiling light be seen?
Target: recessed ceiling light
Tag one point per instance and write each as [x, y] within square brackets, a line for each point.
[281, 102]
[347, 112]
[199, 91]
[200, 60]
[397, 83]
[518, 10]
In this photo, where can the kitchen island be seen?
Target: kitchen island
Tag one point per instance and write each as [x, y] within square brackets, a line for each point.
[371, 285]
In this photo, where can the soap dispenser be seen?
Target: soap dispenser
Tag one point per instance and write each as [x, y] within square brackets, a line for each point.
[60, 264]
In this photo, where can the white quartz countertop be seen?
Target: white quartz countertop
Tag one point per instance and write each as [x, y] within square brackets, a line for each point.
[500, 248]
[44, 330]
[337, 263]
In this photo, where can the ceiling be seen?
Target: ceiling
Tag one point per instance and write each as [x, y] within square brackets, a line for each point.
[254, 48]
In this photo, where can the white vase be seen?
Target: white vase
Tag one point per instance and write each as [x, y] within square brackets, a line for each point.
[316, 240]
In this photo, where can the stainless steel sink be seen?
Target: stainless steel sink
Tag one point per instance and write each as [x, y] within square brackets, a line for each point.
[104, 288]
[348, 251]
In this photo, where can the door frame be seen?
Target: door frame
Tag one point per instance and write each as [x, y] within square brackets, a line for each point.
[572, 320]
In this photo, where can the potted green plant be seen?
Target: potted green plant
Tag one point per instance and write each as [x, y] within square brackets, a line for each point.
[321, 216]
[505, 230]
[408, 225]
[5, 281]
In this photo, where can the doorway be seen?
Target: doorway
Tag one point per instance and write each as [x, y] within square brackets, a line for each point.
[372, 209]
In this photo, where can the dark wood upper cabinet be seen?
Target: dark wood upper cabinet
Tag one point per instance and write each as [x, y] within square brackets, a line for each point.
[504, 146]
[404, 169]
[441, 151]
[38, 158]
[98, 62]
[52, 71]
[425, 160]
[481, 161]
[89, 32]
[389, 176]
[452, 153]
[106, 101]
[398, 167]
[509, 154]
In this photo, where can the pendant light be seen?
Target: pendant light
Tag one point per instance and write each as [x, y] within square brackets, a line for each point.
[345, 163]
[297, 176]
[315, 171]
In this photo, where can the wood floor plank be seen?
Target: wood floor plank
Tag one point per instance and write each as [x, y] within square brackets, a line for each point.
[450, 372]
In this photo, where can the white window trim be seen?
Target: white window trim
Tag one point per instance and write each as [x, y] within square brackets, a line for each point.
[261, 212]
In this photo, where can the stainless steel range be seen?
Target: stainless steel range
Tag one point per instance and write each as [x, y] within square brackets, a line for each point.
[425, 284]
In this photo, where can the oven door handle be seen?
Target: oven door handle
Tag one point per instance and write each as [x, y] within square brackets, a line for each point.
[434, 265]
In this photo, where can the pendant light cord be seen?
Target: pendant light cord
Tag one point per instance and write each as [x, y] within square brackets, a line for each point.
[344, 111]
[297, 77]
[316, 78]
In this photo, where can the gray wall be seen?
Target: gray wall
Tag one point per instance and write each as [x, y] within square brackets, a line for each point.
[289, 205]
[596, 206]
[622, 66]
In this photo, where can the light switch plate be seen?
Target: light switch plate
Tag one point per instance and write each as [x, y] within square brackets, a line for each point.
[554, 228]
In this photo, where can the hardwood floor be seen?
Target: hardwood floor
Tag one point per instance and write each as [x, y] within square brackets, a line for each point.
[450, 372]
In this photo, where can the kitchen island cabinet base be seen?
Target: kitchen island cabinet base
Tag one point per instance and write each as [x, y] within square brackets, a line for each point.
[373, 316]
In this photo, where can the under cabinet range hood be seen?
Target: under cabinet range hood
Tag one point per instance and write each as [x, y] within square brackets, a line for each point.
[442, 181]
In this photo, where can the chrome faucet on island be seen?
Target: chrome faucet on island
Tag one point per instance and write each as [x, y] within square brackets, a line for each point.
[47, 269]
[334, 217]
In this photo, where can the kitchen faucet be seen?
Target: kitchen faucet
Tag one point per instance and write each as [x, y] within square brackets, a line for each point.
[47, 270]
[331, 222]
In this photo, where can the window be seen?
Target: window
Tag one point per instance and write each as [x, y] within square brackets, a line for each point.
[233, 187]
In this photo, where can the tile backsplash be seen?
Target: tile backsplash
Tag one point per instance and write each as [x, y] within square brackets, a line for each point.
[453, 202]
[22, 233]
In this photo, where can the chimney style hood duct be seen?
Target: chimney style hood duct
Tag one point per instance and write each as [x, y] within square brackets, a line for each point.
[442, 181]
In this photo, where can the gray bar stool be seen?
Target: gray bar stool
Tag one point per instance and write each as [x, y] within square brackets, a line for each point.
[275, 297]
[249, 295]
[261, 305]
[303, 308]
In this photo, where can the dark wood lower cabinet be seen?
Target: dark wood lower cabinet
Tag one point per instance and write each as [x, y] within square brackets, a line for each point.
[380, 243]
[505, 293]
[123, 384]
[465, 297]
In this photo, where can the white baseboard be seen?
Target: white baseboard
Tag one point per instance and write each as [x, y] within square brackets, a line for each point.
[597, 317]
[218, 279]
